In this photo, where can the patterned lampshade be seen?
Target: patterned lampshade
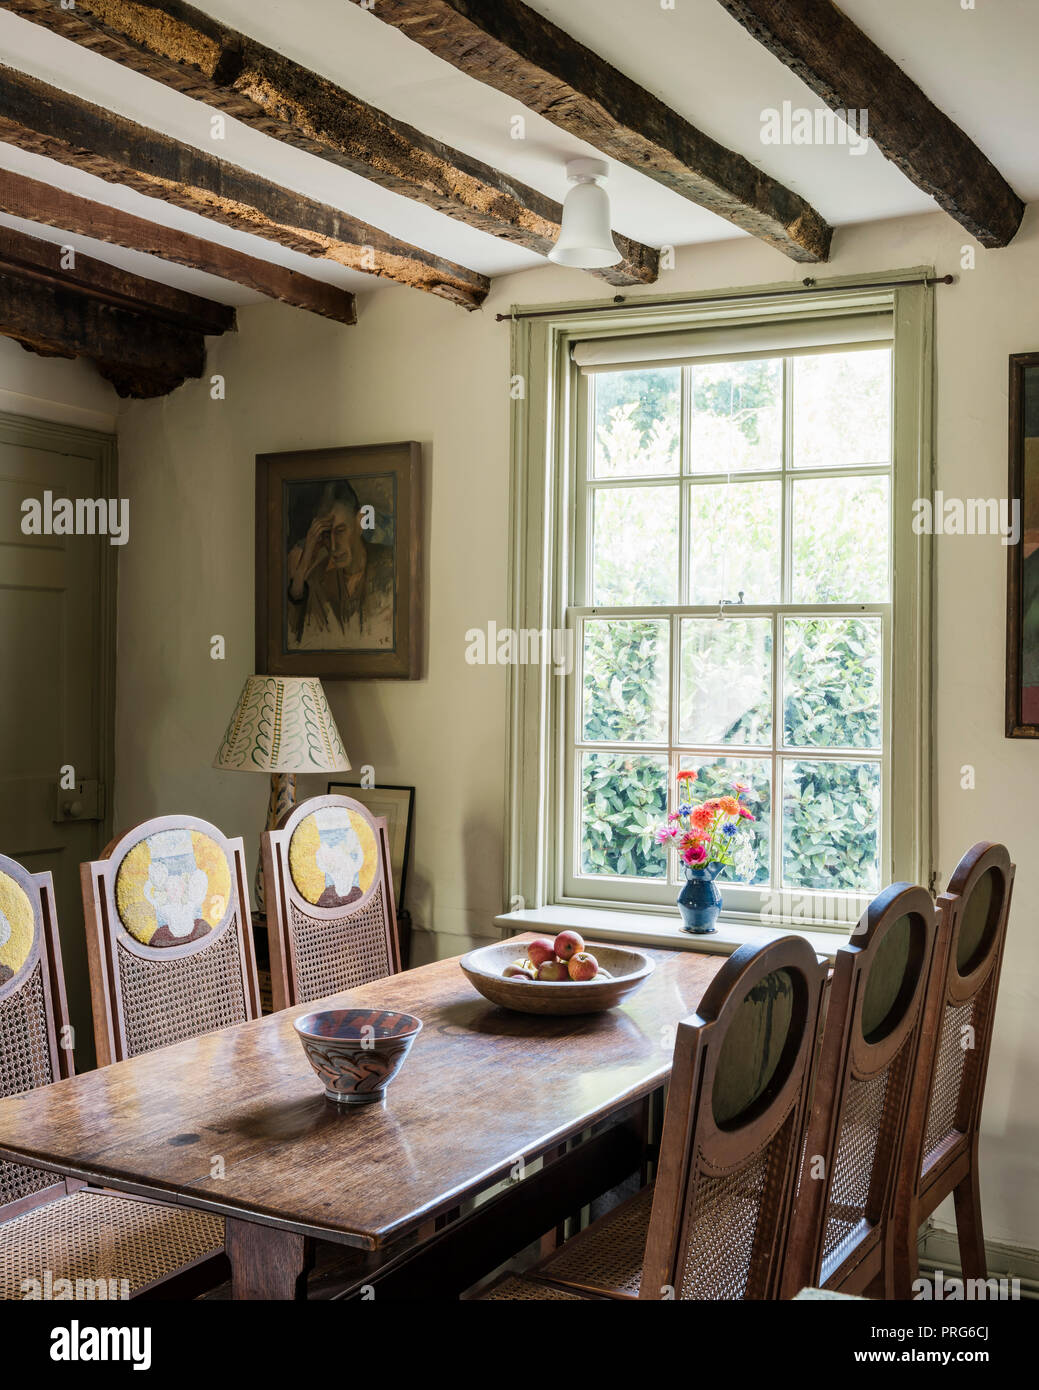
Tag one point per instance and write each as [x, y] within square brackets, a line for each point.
[282, 724]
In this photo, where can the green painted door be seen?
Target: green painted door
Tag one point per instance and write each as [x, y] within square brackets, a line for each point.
[57, 624]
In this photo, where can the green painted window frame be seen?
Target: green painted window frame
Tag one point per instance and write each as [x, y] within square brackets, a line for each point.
[546, 443]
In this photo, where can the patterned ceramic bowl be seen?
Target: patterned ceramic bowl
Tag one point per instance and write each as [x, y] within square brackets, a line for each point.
[356, 1052]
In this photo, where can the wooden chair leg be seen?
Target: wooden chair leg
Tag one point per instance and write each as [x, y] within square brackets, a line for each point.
[904, 1255]
[905, 1269]
[967, 1197]
[887, 1278]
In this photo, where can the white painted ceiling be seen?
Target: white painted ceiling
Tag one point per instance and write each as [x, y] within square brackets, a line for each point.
[978, 65]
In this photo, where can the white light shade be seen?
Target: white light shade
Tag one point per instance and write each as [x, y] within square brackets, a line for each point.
[282, 724]
[585, 239]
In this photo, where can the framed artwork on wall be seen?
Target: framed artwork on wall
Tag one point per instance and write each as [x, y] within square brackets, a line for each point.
[397, 804]
[338, 562]
[1022, 692]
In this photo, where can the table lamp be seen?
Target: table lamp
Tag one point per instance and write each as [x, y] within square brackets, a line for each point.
[281, 725]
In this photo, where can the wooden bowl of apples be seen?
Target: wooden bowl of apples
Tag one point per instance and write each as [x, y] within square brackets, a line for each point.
[561, 976]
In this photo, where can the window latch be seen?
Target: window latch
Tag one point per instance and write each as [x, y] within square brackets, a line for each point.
[724, 603]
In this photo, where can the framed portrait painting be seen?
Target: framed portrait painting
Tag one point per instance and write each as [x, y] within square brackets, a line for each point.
[1023, 558]
[338, 562]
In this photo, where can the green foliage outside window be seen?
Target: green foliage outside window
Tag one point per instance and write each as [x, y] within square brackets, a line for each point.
[831, 665]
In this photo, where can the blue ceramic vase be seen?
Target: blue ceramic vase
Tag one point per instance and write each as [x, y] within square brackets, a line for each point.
[700, 901]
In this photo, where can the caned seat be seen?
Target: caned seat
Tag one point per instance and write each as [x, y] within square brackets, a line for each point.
[331, 921]
[58, 1237]
[940, 1154]
[102, 1245]
[514, 1288]
[517, 1288]
[608, 1255]
[842, 1227]
[169, 937]
[714, 1224]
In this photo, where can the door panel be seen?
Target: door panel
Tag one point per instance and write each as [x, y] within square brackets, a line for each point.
[57, 608]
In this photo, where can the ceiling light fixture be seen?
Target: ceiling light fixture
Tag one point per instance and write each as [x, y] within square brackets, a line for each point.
[585, 239]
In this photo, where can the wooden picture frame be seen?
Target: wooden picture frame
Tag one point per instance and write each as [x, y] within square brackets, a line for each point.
[1022, 682]
[339, 562]
[397, 805]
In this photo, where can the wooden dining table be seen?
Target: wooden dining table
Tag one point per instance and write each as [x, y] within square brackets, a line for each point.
[235, 1122]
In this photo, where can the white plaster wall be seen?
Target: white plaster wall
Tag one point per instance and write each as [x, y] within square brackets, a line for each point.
[63, 391]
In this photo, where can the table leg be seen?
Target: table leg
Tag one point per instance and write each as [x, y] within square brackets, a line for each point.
[267, 1263]
[553, 1239]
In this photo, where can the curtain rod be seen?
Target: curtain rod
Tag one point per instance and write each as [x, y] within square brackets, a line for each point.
[807, 285]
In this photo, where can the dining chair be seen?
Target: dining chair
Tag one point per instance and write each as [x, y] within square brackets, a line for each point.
[940, 1154]
[50, 1226]
[331, 919]
[169, 936]
[714, 1224]
[842, 1227]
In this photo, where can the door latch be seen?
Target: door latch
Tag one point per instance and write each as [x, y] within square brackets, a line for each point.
[84, 801]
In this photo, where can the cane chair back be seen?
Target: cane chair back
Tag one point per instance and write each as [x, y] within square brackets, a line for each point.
[35, 1045]
[842, 1228]
[733, 1128]
[169, 936]
[332, 921]
[975, 912]
[53, 1228]
[940, 1152]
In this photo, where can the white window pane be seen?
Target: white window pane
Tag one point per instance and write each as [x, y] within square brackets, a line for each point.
[831, 825]
[840, 540]
[625, 680]
[842, 409]
[737, 416]
[635, 546]
[715, 777]
[623, 801]
[735, 541]
[831, 683]
[637, 422]
[726, 692]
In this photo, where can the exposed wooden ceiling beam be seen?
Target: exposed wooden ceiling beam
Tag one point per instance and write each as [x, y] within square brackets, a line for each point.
[62, 265]
[50, 122]
[510, 47]
[145, 338]
[34, 201]
[847, 71]
[186, 49]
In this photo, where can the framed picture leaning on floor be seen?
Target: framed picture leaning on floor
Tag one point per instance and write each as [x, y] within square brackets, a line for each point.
[397, 804]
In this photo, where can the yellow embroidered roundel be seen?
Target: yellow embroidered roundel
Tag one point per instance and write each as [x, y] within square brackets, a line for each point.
[16, 927]
[333, 856]
[173, 887]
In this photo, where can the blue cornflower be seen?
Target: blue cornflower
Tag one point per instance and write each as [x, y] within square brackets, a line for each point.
[686, 808]
[728, 829]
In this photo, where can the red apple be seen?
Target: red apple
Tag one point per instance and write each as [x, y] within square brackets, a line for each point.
[518, 969]
[567, 944]
[583, 966]
[552, 970]
[539, 951]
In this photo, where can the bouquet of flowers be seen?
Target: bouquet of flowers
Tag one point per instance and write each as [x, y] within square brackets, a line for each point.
[708, 832]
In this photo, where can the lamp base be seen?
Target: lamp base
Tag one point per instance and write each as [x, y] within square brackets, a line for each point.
[283, 798]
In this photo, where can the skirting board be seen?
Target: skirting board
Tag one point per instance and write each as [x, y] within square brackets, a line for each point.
[939, 1250]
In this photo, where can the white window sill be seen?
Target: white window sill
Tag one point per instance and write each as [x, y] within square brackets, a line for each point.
[660, 929]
